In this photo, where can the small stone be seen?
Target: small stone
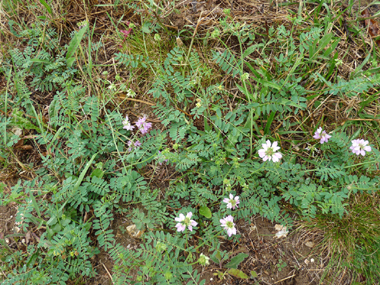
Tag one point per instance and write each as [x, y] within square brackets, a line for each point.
[17, 131]
[134, 232]
[312, 260]
[309, 244]
[306, 261]
[282, 231]
[7, 240]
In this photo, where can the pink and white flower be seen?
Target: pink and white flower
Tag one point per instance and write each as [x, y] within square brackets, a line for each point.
[161, 158]
[127, 125]
[136, 144]
[360, 147]
[229, 225]
[322, 135]
[185, 222]
[232, 202]
[143, 125]
[269, 152]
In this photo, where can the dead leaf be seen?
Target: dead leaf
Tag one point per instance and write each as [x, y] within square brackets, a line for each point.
[26, 147]
[309, 244]
[134, 232]
[372, 26]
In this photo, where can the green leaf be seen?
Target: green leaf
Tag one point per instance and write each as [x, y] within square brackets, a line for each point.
[269, 122]
[216, 257]
[74, 43]
[40, 61]
[97, 173]
[322, 43]
[249, 50]
[253, 274]
[56, 228]
[234, 263]
[205, 211]
[146, 28]
[207, 126]
[48, 8]
[35, 205]
[237, 273]
[272, 84]
[11, 23]
[70, 61]
[52, 221]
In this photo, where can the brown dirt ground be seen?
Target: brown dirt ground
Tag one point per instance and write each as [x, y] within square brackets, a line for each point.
[264, 249]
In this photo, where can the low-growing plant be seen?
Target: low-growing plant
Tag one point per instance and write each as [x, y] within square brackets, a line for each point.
[230, 160]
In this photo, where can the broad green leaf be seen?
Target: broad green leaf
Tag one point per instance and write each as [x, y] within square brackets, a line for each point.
[11, 23]
[74, 43]
[70, 61]
[146, 28]
[321, 44]
[216, 257]
[205, 211]
[249, 50]
[40, 61]
[207, 126]
[97, 173]
[35, 205]
[237, 273]
[272, 84]
[52, 221]
[234, 263]
[48, 8]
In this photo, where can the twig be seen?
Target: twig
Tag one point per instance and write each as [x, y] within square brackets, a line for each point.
[137, 100]
[284, 279]
[109, 274]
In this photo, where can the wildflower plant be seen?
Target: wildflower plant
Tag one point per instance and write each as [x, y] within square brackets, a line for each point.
[228, 224]
[232, 202]
[143, 125]
[360, 147]
[269, 152]
[321, 135]
[100, 163]
[203, 260]
[185, 221]
[127, 125]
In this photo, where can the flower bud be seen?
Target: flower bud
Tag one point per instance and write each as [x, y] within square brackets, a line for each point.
[203, 260]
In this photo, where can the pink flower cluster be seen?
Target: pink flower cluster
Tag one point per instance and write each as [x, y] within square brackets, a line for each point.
[126, 32]
[135, 144]
[322, 135]
[141, 124]
[359, 147]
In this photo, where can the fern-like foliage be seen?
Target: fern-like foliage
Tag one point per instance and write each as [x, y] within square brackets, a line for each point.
[102, 223]
[227, 61]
